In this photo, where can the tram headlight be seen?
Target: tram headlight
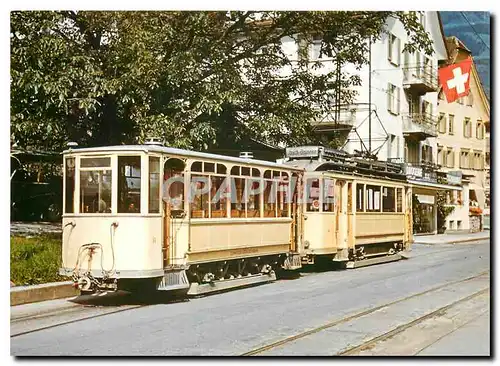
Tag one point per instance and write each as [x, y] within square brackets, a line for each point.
[306, 244]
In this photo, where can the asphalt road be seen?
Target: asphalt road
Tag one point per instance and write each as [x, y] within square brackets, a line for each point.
[439, 298]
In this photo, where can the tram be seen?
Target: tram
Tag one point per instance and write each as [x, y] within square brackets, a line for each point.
[356, 212]
[150, 217]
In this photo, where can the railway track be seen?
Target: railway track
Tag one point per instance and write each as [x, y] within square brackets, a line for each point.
[386, 335]
[70, 311]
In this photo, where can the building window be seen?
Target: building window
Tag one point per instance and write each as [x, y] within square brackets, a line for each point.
[450, 159]
[316, 48]
[464, 160]
[470, 99]
[442, 123]
[440, 155]
[451, 225]
[459, 224]
[451, 123]
[467, 127]
[479, 130]
[394, 50]
[393, 99]
[421, 18]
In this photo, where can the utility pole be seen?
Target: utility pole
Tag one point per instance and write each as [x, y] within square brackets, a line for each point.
[370, 95]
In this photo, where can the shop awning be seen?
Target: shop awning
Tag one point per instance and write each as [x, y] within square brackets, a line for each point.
[436, 186]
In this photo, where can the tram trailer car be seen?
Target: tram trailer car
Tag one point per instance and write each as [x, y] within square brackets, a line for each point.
[356, 212]
[150, 217]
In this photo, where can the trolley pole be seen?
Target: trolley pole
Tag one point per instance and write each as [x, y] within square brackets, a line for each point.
[370, 95]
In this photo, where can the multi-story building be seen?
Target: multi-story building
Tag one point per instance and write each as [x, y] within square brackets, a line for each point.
[394, 114]
[463, 146]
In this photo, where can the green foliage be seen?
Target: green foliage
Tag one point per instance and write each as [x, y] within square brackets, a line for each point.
[35, 260]
[442, 209]
[196, 79]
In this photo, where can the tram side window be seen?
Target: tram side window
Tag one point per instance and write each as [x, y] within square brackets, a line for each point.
[270, 198]
[154, 184]
[312, 195]
[237, 200]
[372, 198]
[253, 186]
[399, 199]
[283, 195]
[129, 184]
[199, 196]
[388, 199]
[218, 199]
[173, 178]
[360, 198]
[95, 185]
[328, 195]
[70, 184]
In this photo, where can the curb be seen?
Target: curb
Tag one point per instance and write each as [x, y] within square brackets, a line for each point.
[452, 241]
[36, 293]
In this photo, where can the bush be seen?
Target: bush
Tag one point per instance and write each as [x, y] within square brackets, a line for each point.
[35, 260]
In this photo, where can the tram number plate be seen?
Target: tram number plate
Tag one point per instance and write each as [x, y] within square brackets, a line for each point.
[244, 251]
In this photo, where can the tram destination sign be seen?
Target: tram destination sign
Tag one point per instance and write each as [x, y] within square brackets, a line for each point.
[302, 152]
[314, 152]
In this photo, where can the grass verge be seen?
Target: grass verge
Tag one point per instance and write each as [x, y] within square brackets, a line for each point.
[35, 260]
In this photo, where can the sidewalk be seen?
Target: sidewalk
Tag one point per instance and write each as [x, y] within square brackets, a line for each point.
[451, 238]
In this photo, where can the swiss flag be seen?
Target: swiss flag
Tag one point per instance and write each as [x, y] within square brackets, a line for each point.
[455, 79]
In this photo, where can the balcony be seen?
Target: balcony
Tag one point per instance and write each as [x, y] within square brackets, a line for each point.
[424, 171]
[419, 126]
[420, 79]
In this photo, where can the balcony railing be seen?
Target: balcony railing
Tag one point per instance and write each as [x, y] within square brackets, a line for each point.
[424, 171]
[421, 125]
[422, 78]
[488, 143]
[346, 116]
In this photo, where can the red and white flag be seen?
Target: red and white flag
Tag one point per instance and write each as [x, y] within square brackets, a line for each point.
[455, 79]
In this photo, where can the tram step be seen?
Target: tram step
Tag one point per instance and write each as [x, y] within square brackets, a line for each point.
[372, 261]
[221, 285]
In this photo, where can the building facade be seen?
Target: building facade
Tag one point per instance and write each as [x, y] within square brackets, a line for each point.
[394, 115]
[463, 147]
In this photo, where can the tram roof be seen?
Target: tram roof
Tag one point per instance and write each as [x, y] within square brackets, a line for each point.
[181, 152]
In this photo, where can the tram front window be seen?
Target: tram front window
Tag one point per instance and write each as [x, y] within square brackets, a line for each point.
[129, 184]
[95, 187]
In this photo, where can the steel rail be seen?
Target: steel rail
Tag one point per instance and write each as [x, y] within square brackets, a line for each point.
[355, 316]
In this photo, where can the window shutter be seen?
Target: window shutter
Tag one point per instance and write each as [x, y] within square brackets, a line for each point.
[389, 97]
[399, 52]
[398, 99]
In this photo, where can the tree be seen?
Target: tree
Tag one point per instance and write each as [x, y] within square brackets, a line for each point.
[195, 79]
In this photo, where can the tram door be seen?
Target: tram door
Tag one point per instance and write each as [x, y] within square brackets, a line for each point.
[350, 216]
[173, 204]
[296, 226]
[167, 229]
[408, 218]
[340, 214]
